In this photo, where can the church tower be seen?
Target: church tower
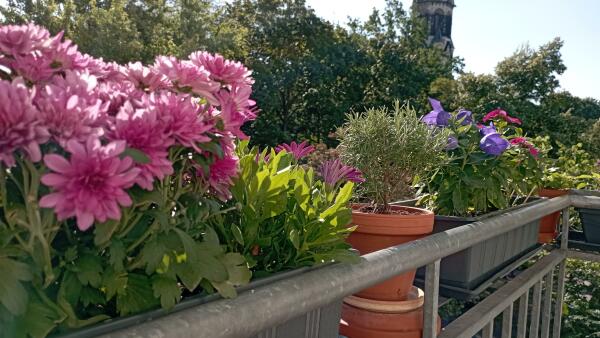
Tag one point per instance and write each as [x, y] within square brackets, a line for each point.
[438, 14]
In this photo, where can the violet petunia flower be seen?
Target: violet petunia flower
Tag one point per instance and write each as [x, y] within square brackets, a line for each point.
[438, 116]
[493, 144]
[333, 171]
[485, 130]
[297, 150]
[465, 117]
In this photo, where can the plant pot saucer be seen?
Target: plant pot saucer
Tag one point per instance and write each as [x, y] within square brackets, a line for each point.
[414, 301]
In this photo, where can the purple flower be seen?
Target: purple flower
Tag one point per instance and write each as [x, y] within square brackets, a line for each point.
[452, 143]
[333, 171]
[465, 116]
[483, 130]
[438, 116]
[493, 144]
[298, 150]
[91, 184]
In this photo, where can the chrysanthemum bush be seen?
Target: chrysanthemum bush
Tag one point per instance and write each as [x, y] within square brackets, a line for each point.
[488, 163]
[108, 175]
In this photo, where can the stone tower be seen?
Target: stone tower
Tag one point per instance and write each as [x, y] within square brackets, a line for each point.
[438, 14]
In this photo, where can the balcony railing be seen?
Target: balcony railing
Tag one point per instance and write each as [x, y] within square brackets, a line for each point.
[530, 303]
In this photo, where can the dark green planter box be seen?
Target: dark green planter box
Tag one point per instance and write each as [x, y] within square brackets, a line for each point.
[322, 322]
[590, 219]
[471, 267]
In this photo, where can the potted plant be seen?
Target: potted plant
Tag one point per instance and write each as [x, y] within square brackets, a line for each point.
[574, 168]
[490, 169]
[115, 181]
[391, 149]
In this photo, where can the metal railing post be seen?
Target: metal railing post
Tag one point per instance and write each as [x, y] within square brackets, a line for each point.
[430, 307]
[560, 292]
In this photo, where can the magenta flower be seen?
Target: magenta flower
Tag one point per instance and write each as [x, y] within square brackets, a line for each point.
[499, 113]
[20, 40]
[70, 107]
[91, 184]
[521, 141]
[334, 171]
[236, 109]
[187, 77]
[143, 131]
[185, 121]
[222, 70]
[222, 170]
[297, 150]
[20, 125]
[146, 78]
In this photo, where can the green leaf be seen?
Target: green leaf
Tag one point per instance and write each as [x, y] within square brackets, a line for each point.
[237, 234]
[208, 266]
[152, 254]
[294, 238]
[92, 296]
[13, 294]
[189, 275]
[137, 156]
[89, 270]
[138, 295]
[167, 290]
[104, 231]
[117, 255]
[114, 282]
[225, 289]
[38, 321]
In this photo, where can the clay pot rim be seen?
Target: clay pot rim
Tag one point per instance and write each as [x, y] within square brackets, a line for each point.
[414, 300]
[421, 212]
[551, 192]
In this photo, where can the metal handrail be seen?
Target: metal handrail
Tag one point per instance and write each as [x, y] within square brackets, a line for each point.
[256, 310]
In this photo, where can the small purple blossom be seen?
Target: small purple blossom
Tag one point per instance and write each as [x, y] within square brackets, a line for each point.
[334, 171]
[438, 116]
[465, 117]
[485, 130]
[494, 144]
[298, 150]
[452, 143]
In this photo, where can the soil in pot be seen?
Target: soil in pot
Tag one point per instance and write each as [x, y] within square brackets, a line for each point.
[379, 231]
[548, 224]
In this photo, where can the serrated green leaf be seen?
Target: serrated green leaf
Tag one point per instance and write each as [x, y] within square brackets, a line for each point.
[13, 294]
[167, 290]
[38, 321]
[152, 254]
[237, 269]
[91, 296]
[114, 282]
[117, 255]
[89, 270]
[188, 274]
[225, 289]
[138, 295]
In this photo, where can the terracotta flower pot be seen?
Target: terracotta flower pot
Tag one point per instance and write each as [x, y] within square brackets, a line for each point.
[379, 231]
[548, 223]
[359, 320]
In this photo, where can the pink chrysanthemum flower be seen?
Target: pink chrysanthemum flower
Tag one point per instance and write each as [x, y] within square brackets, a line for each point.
[146, 78]
[222, 170]
[236, 108]
[185, 121]
[187, 77]
[20, 126]
[70, 107]
[20, 40]
[222, 70]
[334, 171]
[143, 131]
[299, 150]
[91, 184]
[33, 67]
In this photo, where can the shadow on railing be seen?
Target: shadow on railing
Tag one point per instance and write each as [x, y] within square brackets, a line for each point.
[267, 306]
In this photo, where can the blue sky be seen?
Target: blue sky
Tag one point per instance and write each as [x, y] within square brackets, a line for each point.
[487, 31]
